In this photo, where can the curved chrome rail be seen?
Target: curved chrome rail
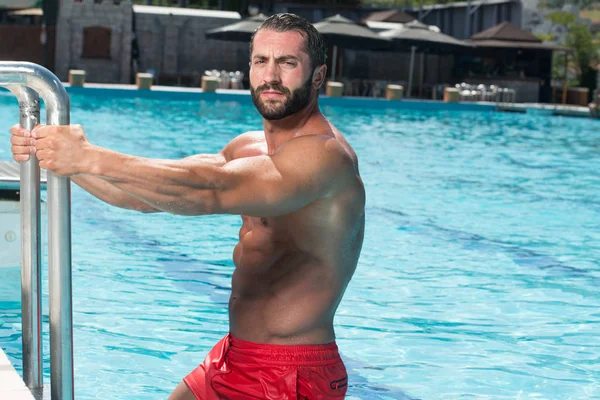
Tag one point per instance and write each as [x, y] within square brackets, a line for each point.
[22, 79]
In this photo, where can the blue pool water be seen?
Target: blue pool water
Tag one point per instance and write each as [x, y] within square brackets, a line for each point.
[479, 277]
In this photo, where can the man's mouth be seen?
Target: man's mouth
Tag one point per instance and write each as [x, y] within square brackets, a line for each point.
[271, 93]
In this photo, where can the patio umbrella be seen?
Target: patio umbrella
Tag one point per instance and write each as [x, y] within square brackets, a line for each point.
[238, 32]
[415, 35]
[343, 32]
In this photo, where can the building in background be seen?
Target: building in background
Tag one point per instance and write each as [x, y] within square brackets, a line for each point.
[112, 39]
[27, 32]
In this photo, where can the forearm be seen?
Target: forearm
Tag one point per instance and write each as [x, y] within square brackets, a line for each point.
[111, 194]
[176, 186]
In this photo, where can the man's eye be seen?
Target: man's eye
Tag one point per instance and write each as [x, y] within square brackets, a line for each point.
[259, 62]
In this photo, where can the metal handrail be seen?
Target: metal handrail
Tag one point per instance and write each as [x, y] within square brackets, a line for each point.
[31, 278]
[17, 76]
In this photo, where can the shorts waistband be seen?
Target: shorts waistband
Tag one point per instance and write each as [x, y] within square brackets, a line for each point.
[314, 354]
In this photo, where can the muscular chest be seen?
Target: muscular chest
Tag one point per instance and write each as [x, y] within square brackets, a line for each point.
[257, 223]
[266, 235]
[257, 229]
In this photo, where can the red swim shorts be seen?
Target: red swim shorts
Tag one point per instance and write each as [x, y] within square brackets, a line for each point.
[239, 370]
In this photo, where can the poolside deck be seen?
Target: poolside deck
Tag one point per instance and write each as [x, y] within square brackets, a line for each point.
[10, 176]
[549, 109]
[11, 384]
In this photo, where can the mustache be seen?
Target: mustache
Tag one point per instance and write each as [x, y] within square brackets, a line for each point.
[273, 86]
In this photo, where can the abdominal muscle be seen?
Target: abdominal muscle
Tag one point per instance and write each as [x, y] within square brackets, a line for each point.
[275, 295]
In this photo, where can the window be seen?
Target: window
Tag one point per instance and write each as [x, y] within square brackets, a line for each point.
[96, 42]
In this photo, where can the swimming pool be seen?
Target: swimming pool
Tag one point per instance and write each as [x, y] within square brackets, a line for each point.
[479, 277]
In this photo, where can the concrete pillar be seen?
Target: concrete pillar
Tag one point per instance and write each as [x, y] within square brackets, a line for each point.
[451, 95]
[394, 92]
[334, 89]
[210, 83]
[76, 77]
[144, 80]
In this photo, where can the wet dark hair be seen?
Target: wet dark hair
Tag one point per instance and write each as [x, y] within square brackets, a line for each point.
[314, 43]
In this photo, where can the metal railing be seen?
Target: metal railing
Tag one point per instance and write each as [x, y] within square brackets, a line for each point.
[26, 81]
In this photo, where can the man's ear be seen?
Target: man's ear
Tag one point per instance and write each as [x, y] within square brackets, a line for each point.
[319, 75]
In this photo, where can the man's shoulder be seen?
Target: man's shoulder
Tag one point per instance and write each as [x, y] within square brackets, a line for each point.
[248, 137]
[317, 146]
[320, 155]
[252, 135]
[244, 145]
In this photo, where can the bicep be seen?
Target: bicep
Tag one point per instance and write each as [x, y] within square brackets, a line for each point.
[255, 187]
[217, 159]
[279, 184]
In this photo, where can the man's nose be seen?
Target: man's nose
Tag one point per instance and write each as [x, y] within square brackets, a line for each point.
[271, 72]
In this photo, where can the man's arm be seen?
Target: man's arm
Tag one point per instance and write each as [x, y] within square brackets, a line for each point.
[111, 194]
[301, 171]
[23, 146]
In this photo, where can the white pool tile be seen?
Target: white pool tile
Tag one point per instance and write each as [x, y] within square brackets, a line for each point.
[11, 384]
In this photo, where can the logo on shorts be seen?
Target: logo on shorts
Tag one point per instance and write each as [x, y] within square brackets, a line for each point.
[339, 383]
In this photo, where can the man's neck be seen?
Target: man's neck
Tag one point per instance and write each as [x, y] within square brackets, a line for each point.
[280, 131]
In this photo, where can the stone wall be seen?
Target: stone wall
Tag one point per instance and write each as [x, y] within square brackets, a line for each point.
[173, 46]
[171, 42]
[73, 18]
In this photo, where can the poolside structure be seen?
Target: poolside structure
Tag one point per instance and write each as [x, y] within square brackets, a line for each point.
[169, 42]
[343, 32]
[508, 56]
[416, 35]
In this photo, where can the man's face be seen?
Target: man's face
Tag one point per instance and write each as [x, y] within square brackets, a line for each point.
[280, 74]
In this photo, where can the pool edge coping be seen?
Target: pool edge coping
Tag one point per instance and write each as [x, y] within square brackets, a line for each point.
[243, 95]
[405, 103]
[193, 93]
[11, 382]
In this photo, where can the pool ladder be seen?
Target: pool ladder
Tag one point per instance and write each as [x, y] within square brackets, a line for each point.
[28, 82]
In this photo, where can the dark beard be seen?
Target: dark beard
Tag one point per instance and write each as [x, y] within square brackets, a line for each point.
[293, 102]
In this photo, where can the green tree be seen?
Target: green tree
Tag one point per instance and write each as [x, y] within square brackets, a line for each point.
[584, 52]
[545, 36]
[561, 18]
[585, 55]
[557, 4]
[404, 3]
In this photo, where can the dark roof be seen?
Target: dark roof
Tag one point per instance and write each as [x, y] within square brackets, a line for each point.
[343, 32]
[241, 31]
[390, 16]
[418, 34]
[509, 44]
[508, 36]
[506, 31]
